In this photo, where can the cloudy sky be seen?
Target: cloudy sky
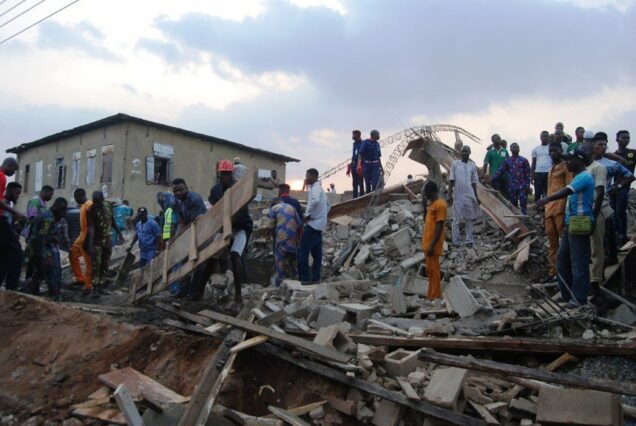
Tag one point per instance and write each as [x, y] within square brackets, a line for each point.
[295, 76]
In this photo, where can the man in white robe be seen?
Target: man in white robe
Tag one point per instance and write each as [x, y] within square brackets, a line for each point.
[463, 195]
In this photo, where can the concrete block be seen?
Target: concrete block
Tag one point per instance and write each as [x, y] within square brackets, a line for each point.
[363, 255]
[398, 244]
[357, 312]
[460, 298]
[342, 232]
[332, 337]
[624, 315]
[578, 407]
[324, 291]
[416, 259]
[414, 283]
[376, 226]
[400, 362]
[446, 386]
[523, 405]
[344, 406]
[329, 315]
[387, 414]
[416, 378]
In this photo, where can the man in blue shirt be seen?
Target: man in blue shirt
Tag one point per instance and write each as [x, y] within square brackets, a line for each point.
[148, 234]
[358, 183]
[121, 212]
[370, 154]
[573, 258]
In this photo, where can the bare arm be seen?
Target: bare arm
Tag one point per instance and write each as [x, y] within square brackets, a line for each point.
[616, 158]
[562, 193]
[598, 202]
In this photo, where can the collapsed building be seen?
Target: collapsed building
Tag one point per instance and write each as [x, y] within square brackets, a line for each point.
[363, 346]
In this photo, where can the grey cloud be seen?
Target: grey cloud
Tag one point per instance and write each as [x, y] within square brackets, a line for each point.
[83, 37]
[435, 56]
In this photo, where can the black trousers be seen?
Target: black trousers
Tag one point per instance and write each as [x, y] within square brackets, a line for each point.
[540, 185]
[358, 183]
[11, 254]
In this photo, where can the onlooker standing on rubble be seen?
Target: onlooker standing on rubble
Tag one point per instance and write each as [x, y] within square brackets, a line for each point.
[618, 177]
[433, 238]
[11, 255]
[370, 157]
[99, 241]
[558, 178]
[620, 199]
[11, 196]
[286, 232]
[518, 175]
[187, 206]
[541, 164]
[495, 157]
[358, 181]
[283, 194]
[463, 195]
[35, 207]
[240, 169]
[599, 173]
[48, 235]
[558, 131]
[573, 258]
[148, 233]
[315, 224]
[242, 227]
[579, 134]
[79, 248]
[122, 212]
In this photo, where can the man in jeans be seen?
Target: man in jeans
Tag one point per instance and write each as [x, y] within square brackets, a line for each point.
[622, 195]
[315, 224]
[573, 258]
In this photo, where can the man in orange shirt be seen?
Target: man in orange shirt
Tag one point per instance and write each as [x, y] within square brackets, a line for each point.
[77, 249]
[433, 238]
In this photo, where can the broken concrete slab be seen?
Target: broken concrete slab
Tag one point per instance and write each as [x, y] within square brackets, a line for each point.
[342, 232]
[414, 283]
[623, 314]
[377, 225]
[329, 315]
[460, 298]
[578, 406]
[445, 387]
[416, 259]
[363, 255]
[398, 244]
[387, 413]
[333, 337]
[523, 405]
[400, 362]
[344, 406]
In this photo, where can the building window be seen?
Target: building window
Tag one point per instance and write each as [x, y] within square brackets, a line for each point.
[90, 166]
[77, 157]
[39, 168]
[60, 169]
[159, 165]
[107, 163]
[25, 183]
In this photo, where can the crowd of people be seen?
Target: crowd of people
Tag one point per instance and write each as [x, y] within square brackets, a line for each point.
[297, 233]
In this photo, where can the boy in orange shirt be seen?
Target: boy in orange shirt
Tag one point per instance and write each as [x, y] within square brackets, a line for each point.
[433, 238]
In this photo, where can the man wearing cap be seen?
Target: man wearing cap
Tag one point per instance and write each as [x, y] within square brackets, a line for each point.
[370, 156]
[620, 200]
[358, 182]
[240, 169]
[242, 227]
[148, 233]
[573, 257]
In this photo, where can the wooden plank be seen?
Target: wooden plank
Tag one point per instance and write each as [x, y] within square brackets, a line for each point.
[198, 410]
[561, 361]
[528, 373]
[499, 344]
[138, 383]
[288, 417]
[102, 392]
[204, 255]
[410, 193]
[197, 319]
[92, 403]
[206, 226]
[485, 414]
[127, 406]
[303, 344]
[108, 309]
[301, 410]
[188, 327]
[424, 407]
[109, 415]
[248, 343]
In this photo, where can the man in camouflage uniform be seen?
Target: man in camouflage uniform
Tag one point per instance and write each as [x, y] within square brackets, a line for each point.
[100, 243]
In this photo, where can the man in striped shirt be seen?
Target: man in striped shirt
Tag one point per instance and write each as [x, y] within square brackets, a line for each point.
[463, 196]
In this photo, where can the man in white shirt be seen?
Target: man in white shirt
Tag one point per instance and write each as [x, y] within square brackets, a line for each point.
[315, 223]
[541, 165]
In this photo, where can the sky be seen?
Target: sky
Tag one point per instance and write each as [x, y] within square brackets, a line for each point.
[296, 76]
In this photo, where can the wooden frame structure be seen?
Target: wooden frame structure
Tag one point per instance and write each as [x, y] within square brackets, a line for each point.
[195, 245]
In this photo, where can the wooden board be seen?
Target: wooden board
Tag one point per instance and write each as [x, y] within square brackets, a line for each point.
[110, 415]
[127, 406]
[139, 384]
[307, 346]
[499, 344]
[178, 250]
[361, 203]
[288, 417]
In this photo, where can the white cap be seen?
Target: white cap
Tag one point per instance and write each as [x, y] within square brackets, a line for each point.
[589, 134]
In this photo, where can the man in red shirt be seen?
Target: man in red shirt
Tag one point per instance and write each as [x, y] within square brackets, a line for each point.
[11, 254]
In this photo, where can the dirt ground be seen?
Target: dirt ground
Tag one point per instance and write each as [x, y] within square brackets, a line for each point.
[75, 347]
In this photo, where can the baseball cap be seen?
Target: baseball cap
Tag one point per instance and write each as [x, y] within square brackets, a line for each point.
[142, 210]
[589, 134]
[576, 154]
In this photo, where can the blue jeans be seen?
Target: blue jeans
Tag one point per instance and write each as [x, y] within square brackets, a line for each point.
[573, 266]
[311, 242]
[371, 172]
[540, 185]
[619, 203]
